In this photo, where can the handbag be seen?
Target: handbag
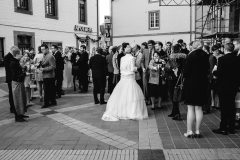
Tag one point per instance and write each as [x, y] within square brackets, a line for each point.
[154, 77]
[178, 89]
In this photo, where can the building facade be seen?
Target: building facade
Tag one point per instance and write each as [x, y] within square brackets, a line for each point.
[136, 21]
[29, 23]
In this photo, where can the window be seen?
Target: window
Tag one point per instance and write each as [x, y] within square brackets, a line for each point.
[82, 11]
[24, 40]
[49, 43]
[153, 1]
[154, 20]
[51, 9]
[23, 6]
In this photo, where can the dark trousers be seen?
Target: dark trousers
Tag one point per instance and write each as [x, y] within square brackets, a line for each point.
[10, 95]
[110, 82]
[99, 87]
[59, 86]
[59, 81]
[140, 83]
[49, 90]
[228, 110]
[84, 81]
[175, 108]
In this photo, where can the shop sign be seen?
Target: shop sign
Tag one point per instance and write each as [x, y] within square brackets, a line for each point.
[107, 19]
[82, 29]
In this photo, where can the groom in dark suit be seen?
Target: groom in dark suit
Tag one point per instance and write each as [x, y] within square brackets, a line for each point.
[228, 82]
[98, 65]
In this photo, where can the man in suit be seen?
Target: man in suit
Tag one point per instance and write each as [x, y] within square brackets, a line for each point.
[109, 58]
[59, 69]
[121, 54]
[48, 67]
[228, 82]
[7, 59]
[146, 58]
[83, 62]
[98, 65]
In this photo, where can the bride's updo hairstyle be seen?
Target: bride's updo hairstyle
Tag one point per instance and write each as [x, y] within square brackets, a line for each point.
[128, 49]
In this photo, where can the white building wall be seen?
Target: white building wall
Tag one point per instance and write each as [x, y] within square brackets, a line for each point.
[130, 22]
[47, 29]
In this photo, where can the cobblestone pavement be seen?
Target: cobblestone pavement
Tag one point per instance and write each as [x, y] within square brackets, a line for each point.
[74, 130]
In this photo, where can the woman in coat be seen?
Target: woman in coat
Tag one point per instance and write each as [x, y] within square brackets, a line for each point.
[174, 70]
[196, 73]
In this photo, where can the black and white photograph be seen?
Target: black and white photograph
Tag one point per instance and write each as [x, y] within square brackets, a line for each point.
[119, 79]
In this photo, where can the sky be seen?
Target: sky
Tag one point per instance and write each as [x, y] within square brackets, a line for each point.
[104, 9]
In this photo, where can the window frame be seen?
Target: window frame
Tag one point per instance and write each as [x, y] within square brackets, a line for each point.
[149, 20]
[153, 1]
[86, 11]
[55, 9]
[23, 11]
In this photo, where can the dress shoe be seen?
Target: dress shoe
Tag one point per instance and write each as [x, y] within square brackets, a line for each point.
[45, 106]
[103, 102]
[19, 119]
[54, 103]
[171, 115]
[97, 102]
[219, 131]
[177, 117]
[231, 131]
[24, 116]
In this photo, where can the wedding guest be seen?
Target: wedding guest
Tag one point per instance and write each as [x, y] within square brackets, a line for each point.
[159, 48]
[83, 61]
[17, 77]
[144, 46]
[7, 59]
[227, 83]
[75, 69]
[48, 70]
[196, 73]
[38, 73]
[164, 56]
[98, 65]
[138, 55]
[116, 73]
[216, 54]
[168, 49]
[59, 69]
[146, 58]
[207, 108]
[155, 79]
[121, 54]
[110, 68]
[67, 72]
[174, 74]
[184, 49]
[26, 63]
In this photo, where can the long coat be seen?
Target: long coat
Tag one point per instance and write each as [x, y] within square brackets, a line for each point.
[59, 65]
[196, 83]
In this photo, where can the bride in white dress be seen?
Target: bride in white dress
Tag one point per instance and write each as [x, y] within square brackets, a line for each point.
[127, 100]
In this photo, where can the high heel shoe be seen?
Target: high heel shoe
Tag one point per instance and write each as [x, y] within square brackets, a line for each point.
[198, 135]
[177, 117]
[189, 134]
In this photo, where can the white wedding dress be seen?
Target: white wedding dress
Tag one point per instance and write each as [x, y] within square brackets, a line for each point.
[127, 100]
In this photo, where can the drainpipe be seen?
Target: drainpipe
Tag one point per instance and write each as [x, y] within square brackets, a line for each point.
[97, 23]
